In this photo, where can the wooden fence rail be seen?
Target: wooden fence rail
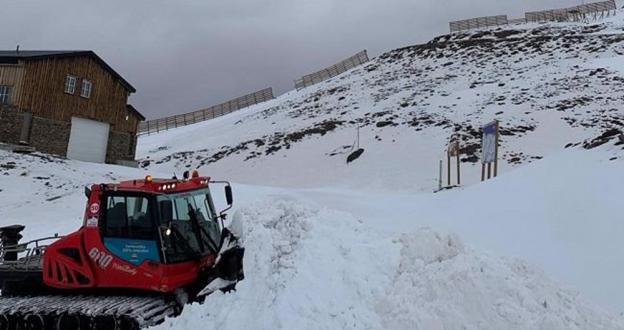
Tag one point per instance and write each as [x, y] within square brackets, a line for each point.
[517, 21]
[163, 124]
[593, 10]
[332, 71]
[479, 22]
[587, 11]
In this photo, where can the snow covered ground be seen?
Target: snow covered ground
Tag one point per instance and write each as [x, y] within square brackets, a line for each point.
[368, 245]
[334, 258]
[47, 193]
[322, 269]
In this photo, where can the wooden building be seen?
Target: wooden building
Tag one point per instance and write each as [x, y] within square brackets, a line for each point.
[69, 103]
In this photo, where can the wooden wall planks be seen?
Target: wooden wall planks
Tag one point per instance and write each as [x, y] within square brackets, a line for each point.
[12, 75]
[43, 92]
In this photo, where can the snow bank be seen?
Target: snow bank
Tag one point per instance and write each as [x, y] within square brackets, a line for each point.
[320, 269]
[561, 214]
[305, 269]
[442, 285]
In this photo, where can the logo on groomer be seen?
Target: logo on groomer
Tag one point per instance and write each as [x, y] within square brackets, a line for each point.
[132, 250]
[101, 258]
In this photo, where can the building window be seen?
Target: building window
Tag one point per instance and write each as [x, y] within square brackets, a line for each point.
[5, 94]
[70, 85]
[85, 91]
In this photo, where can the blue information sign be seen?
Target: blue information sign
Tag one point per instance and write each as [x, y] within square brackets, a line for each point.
[488, 144]
[132, 250]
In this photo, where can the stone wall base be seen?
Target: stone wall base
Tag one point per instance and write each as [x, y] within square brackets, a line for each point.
[52, 136]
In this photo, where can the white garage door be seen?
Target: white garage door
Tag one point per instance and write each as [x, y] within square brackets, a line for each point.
[88, 140]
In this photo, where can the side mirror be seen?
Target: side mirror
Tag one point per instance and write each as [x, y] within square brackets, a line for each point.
[229, 198]
[87, 192]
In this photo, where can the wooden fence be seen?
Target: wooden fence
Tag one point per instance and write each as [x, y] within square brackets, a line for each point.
[163, 124]
[332, 71]
[593, 10]
[479, 22]
[515, 21]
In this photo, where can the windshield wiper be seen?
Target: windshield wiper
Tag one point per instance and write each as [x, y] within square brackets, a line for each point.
[199, 230]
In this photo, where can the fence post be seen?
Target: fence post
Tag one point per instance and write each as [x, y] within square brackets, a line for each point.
[448, 168]
[440, 177]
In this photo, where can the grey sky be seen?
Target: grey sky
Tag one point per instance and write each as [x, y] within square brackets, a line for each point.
[187, 54]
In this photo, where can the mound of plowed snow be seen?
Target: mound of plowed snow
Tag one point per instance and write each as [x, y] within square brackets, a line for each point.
[320, 269]
[440, 284]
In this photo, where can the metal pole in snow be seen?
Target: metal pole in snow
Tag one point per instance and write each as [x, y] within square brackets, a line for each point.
[448, 168]
[440, 177]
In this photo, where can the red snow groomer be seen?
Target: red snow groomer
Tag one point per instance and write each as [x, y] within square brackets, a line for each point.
[145, 249]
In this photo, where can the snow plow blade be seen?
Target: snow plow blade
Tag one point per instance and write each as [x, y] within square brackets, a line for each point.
[228, 268]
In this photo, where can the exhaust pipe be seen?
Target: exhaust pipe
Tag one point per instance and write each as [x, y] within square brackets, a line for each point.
[10, 237]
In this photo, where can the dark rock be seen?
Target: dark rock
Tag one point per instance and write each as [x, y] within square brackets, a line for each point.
[384, 123]
[355, 155]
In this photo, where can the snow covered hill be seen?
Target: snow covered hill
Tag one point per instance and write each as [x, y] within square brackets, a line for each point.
[368, 245]
[551, 86]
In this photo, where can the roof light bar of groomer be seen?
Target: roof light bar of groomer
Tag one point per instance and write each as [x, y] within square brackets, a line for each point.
[194, 176]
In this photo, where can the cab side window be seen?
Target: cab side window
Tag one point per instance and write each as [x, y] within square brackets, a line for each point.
[128, 217]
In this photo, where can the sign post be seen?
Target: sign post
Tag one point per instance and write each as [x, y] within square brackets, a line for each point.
[448, 168]
[458, 168]
[440, 177]
[453, 151]
[496, 150]
[489, 147]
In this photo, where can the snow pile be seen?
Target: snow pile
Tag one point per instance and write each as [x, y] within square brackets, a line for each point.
[320, 269]
[442, 285]
[304, 269]
[562, 214]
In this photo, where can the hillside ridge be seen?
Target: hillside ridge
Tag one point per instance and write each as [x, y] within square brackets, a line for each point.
[534, 79]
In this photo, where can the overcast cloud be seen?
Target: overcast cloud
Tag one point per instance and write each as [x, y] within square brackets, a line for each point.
[185, 55]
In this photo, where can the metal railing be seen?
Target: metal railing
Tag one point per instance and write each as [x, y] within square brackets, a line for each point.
[332, 71]
[26, 252]
[163, 124]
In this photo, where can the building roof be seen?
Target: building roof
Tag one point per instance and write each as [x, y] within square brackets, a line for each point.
[12, 56]
[132, 109]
